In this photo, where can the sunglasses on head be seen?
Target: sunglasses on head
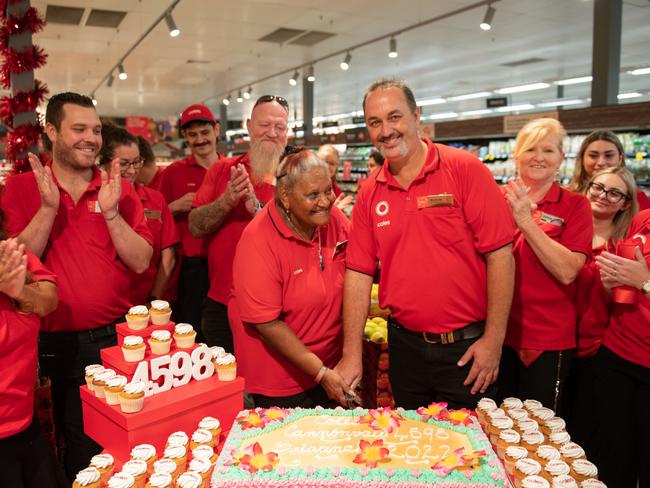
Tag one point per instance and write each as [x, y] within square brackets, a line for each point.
[270, 98]
[288, 150]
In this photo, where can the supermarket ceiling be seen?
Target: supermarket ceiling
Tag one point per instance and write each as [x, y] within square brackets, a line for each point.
[221, 48]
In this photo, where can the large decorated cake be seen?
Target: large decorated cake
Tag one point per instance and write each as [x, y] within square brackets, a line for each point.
[345, 448]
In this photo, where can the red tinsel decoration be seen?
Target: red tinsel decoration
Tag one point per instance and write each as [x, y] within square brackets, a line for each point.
[21, 102]
[14, 25]
[28, 59]
[22, 138]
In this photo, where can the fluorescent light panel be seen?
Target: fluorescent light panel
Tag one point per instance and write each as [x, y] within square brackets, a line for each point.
[430, 101]
[559, 103]
[522, 88]
[640, 71]
[515, 108]
[623, 96]
[470, 96]
[483, 111]
[575, 81]
[443, 115]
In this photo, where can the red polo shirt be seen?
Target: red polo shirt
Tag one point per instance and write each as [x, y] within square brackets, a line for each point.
[179, 178]
[161, 224]
[223, 242]
[18, 357]
[93, 282]
[543, 313]
[433, 273]
[336, 189]
[157, 177]
[628, 334]
[592, 306]
[278, 276]
[642, 199]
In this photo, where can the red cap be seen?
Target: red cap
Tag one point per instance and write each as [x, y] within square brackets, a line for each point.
[197, 113]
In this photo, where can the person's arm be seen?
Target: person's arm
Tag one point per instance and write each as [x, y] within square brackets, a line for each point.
[618, 271]
[182, 204]
[39, 297]
[164, 273]
[486, 351]
[132, 249]
[356, 302]
[279, 337]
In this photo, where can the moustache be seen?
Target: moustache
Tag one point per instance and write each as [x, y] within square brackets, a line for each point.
[201, 144]
[394, 135]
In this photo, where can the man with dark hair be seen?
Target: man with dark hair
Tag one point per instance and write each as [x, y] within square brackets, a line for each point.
[89, 229]
[149, 174]
[179, 184]
[436, 220]
[232, 192]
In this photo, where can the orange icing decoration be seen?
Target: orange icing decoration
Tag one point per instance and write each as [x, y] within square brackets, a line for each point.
[371, 453]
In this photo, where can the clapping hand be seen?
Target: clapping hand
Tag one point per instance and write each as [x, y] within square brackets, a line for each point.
[13, 268]
[240, 187]
[111, 190]
[46, 187]
[520, 204]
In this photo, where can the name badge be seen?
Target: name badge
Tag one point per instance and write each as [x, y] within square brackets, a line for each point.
[547, 218]
[93, 206]
[151, 214]
[440, 200]
[340, 248]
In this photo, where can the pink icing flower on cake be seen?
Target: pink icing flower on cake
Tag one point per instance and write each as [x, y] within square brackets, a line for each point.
[472, 458]
[258, 460]
[458, 417]
[371, 453]
[251, 419]
[382, 419]
[433, 411]
[448, 464]
[274, 413]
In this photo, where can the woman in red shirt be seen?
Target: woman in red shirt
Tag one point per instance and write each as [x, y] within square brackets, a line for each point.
[288, 290]
[552, 243]
[27, 292]
[612, 194]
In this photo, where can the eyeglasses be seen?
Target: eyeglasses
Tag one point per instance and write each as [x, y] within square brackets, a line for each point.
[612, 195]
[136, 163]
[270, 98]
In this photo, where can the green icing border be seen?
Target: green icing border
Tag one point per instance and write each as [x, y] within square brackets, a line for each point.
[400, 475]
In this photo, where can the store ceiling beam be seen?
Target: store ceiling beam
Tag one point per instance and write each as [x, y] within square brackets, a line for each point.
[606, 52]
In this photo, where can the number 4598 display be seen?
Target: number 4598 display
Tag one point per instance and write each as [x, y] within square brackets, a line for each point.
[174, 371]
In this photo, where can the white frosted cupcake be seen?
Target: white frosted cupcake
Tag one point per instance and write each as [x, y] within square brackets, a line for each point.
[114, 386]
[534, 481]
[132, 398]
[525, 467]
[160, 312]
[136, 468]
[178, 454]
[105, 464]
[200, 437]
[146, 453]
[512, 455]
[178, 438]
[216, 352]
[592, 483]
[518, 414]
[205, 452]
[545, 454]
[572, 451]
[91, 369]
[532, 404]
[581, 470]
[564, 481]
[211, 424]
[543, 414]
[137, 317]
[184, 335]
[556, 468]
[160, 341]
[133, 349]
[511, 402]
[165, 465]
[227, 367]
[201, 466]
[553, 424]
[159, 480]
[189, 480]
[482, 407]
[99, 382]
[559, 438]
[87, 478]
[121, 480]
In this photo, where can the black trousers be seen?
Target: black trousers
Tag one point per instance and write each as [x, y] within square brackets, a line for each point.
[27, 461]
[306, 399]
[421, 373]
[544, 380]
[193, 286]
[622, 450]
[63, 357]
[215, 325]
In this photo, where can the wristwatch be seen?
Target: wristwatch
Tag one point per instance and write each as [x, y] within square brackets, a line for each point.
[645, 287]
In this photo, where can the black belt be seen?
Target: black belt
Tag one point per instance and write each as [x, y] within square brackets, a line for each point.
[84, 336]
[195, 260]
[471, 331]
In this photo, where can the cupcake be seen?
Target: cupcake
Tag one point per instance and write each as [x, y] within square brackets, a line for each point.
[526, 425]
[572, 451]
[159, 480]
[496, 425]
[513, 454]
[511, 402]
[545, 454]
[507, 438]
[541, 415]
[555, 468]
[482, 407]
[167, 466]
[227, 367]
[531, 405]
[177, 439]
[137, 317]
[216, 352]
[87, 478]
[525, 467]
[533, 482]
[178, 454]
[204, 452]
[160, 341]
[564, 481]
[91, 369]
[581, 470]
[189, 480]
[121, 480]
[105, 464]
[559, 438]
[138, 469]
[184, 335]
[553, 425]
[213, 425]
[201, 436]
[160, 312]
[532, 440]
[133, 349]
[492, 414]
[203, 467]
[132, 398]
[518, 414]
[99, 382]
[146, 453]
[592, 483]
[114, 386]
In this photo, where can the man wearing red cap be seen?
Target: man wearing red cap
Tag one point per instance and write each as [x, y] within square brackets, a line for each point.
[179, 184]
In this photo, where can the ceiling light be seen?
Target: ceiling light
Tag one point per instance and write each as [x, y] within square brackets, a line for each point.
[623, 96]
[430, 101]
[559, 103]
[345, 64]
[226, 100]
[247, 94]
[310, 74]
[293, 81]
[392, 48]
[122, 75]
[444, 115]
[240, 98]
[470, 96]
[523, 88]
[574, 81]
[514, 108]
[110, 81]
[640, 71]
[171, 25]
[483, 111]
[486, 25]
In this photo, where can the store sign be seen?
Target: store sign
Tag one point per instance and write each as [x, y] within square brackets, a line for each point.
[495, 102]
[513, 123]
[138, 126]
[166, 372]
[358, 120]
[331, 123]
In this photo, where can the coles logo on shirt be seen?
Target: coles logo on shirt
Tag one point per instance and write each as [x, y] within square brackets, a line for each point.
[382, 208]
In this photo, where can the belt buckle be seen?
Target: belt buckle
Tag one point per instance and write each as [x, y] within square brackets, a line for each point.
[425, 336]
[447, 338]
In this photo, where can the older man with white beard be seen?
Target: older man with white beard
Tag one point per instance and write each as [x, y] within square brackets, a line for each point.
[233, 191]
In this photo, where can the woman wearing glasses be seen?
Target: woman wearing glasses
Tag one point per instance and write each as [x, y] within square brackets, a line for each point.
[552, 242]
[612, 195]
[600, 150]
[152, 284]
[288, 290]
